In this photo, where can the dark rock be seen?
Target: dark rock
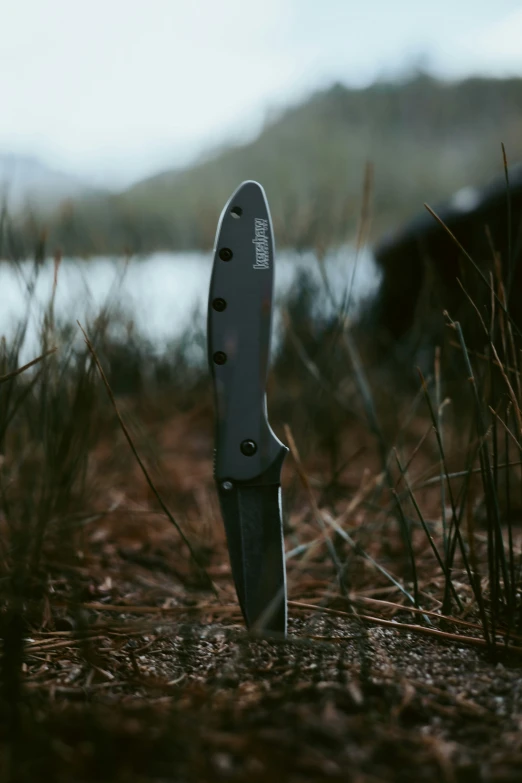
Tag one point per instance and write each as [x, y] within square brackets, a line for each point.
[421, 263]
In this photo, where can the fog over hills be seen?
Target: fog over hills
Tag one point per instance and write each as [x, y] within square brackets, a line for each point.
[26, 181]
[425, 138]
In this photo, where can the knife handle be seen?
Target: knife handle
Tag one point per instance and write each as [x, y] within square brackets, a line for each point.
[239, 332]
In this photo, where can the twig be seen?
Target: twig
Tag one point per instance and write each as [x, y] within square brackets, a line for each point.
[20, 370]
[453, 637]
[144, 470]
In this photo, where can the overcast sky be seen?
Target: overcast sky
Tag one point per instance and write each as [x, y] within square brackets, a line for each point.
[113, 90]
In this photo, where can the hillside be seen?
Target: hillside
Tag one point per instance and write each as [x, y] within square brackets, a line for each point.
[26, 181]
[425, 139]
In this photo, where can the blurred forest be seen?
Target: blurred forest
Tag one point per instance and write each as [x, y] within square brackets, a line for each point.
[425, 138]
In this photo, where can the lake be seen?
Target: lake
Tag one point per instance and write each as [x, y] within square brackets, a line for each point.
[163, 292]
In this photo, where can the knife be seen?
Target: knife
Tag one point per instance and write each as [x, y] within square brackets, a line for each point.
[248, 457]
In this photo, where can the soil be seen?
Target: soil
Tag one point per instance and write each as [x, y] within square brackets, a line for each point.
[135, 671]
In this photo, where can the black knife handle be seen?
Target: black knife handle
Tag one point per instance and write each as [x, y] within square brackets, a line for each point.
[239, 332]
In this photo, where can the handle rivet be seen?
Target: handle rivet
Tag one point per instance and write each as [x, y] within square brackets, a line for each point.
[219, 304]
[225, 254]
[226, 486]
[248, 448]
[220, 357]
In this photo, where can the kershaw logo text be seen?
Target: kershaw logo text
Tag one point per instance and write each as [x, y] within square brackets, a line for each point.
[261, 244]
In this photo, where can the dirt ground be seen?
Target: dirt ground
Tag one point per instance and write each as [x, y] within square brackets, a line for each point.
[135, 671]
[187, 701]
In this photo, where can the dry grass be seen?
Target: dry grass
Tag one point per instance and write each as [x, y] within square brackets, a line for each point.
[124, 655]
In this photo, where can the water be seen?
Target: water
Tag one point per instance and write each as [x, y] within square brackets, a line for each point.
[163, 293]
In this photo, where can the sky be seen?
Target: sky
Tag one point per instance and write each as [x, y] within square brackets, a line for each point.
[114, 90]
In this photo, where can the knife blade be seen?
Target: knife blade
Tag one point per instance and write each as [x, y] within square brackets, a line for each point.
[248, 457]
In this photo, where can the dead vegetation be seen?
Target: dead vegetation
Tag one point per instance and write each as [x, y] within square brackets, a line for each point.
[124, 656]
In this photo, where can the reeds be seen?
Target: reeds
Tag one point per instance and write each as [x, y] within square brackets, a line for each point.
[53, 415]
[402, 508]
[472, 437]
